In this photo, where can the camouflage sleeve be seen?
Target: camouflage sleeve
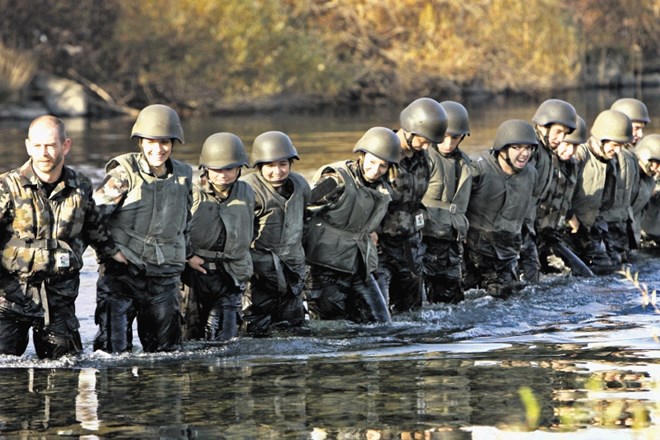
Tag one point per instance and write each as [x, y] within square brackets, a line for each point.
[6, 208]
[111, 192]
[95, 231]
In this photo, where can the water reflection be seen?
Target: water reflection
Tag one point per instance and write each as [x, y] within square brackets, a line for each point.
[321, 137]
[444, 396]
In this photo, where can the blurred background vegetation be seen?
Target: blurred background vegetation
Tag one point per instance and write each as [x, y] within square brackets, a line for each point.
[210, 56]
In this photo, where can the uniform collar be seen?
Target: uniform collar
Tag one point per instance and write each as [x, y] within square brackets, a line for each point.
[29, 178]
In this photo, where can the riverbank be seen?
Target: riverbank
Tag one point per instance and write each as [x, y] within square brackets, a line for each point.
[64, 97]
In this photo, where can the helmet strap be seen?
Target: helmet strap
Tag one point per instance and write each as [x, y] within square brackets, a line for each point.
[507, 159]
[408, 139]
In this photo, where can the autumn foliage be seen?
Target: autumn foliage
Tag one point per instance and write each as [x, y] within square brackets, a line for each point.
[205, 55]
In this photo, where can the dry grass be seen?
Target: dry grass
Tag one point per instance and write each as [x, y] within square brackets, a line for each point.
[16, 71]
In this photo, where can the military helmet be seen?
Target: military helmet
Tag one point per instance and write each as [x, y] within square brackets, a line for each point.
[579, 135]
[514, 131]
[633, 108]
[222, 151]
[458, 120]
[425, 117]
[158, 121]
[648, 149]
[556, 111]
[612, 125]
[382, 143]
[272, 146]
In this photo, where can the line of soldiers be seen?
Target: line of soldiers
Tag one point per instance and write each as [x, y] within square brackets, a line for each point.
[410, 219]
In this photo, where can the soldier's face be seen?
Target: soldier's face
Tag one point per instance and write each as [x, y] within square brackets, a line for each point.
[373, 168]
[565, 150]
[611, 149]
[276, 172]
[653, 167]
[46, 149]
[419, 143]
[519, 155]
[556, 134]
[156, 151]
[223, 177]
[638, 131]
[450, 143]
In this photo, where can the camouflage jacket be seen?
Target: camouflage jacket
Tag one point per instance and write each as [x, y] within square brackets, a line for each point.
[43, 235]
[409, 181]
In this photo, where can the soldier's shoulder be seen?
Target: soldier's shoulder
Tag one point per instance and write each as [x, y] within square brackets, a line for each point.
[299, 180]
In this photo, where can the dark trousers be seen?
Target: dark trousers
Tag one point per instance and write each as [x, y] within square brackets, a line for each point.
[212, 305]
[498, 277]
[123, 294]
[268, 306]
[337, 295]
[400, 272]
[55, 332]
[443, 273]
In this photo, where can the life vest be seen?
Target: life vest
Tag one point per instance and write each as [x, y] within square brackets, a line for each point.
[234, 215]
[280, 223]
[340, 233]
[447, 197]
[499, 201]
[150, 225]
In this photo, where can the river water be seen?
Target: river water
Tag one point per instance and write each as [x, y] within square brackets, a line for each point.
[569, 358]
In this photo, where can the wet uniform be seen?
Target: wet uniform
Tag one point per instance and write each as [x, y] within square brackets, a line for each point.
[446, 201]
[339, 249]
[274, 295]
[594, 194]
[554, 208]
[221, 233]
[496, 212]
[44, 230]
[149, 219]
[400, 247]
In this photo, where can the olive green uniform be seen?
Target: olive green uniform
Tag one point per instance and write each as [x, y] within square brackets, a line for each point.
[496, 212]
[275, 291]
[594, 194]
[446, 201]
[149, 219]
[221, 233]
[341, 254]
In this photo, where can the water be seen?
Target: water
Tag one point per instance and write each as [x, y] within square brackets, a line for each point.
[587, 349]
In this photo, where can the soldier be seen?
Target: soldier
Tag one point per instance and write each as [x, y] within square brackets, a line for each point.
[553, 121]
[221, 234]
[502, 189]
[648, 155]
[596, 190]
[637, 112]
[621, 234]
[281, 196]
[400, 247]
[555, 204]
[350, 200]
[47, 219]
[446, 202]
[146, 199]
